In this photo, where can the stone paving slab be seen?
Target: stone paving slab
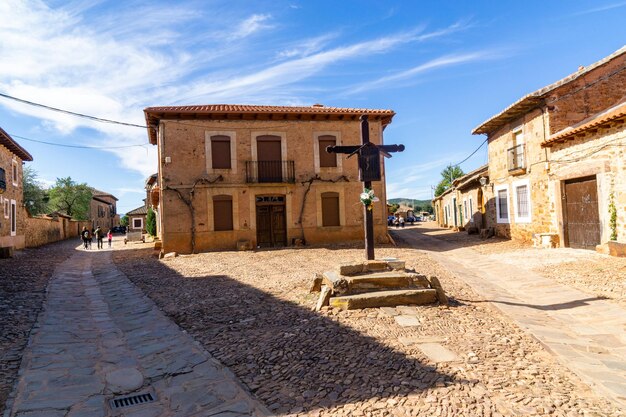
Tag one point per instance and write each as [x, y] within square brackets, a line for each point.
[568, 322]
[437, 353]
[100, 337]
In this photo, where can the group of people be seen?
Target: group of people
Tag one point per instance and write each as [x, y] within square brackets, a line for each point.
[399, 221]
[88, 235]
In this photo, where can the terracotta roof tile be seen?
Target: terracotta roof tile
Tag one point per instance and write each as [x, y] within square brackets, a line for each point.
[222, 111]
[138, 211]
[615, 113]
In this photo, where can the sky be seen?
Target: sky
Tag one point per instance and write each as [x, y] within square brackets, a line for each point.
[443, 66]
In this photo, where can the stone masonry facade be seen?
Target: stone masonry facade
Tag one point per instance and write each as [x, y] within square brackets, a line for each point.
[185, 164]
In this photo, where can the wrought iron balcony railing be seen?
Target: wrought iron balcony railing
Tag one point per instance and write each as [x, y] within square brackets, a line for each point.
[517, 158]
[270, 171]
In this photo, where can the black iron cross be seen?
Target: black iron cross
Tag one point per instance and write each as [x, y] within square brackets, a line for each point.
[369, 170]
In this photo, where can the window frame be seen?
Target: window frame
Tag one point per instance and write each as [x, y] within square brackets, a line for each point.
[140, 220]
[316, 152]
[7, 210]
[471, 210]
[232, 135]
[13, 218]
[496, 191]
[14, 173]
[515, 186]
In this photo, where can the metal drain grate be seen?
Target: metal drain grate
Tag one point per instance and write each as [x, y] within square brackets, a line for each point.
[123, 402]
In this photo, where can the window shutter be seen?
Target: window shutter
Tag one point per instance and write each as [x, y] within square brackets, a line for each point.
[220, 152]
[222, 213]
[327, 159]
[330, 209]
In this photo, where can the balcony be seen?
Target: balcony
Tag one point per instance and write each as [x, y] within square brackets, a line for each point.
[516, 160]
[270, 171]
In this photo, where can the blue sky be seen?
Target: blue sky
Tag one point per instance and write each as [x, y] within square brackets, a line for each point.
[443, 66]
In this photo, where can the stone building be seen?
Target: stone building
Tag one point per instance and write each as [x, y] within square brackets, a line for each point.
[103, 210]
[259, 176]
[137, 218]
[13, 215]
[556, 158]
[463, 205]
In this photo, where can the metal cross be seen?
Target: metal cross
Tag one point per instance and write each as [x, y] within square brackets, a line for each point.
[369, 170]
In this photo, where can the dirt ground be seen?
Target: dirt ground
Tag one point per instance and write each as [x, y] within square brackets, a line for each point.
[594, 273]
[252, 311]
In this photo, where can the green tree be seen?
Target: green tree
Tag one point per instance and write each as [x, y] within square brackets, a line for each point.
[151, 222]
[449, 174]
[394, 207]
[71, 198]
[35, 195]
[124, 221]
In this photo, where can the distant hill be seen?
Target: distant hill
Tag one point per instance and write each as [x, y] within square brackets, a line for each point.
[418, 205]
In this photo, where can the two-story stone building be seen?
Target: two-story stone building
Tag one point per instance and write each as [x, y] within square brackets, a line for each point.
[556, 158]
[103, 210]
[243, 175]
[12, 212]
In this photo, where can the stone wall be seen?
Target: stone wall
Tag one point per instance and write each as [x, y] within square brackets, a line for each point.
[598, 153]
[13, 192]
[43, 230]
[184, 144]
[588, 95]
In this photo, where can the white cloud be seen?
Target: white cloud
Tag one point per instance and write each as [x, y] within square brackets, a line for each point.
[600, 9]
[251, 25]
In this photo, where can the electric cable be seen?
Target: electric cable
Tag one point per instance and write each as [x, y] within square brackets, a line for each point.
[86, 116]
[75, 146]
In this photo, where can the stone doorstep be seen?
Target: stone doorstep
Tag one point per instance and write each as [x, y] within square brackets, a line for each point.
[384, 299]
[385, 280]
[353, 268]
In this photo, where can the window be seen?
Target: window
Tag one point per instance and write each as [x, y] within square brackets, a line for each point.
[222, 213]
[14, 173]
[3, 180]
[137, 223]
[516, 151]
[522, 201]
[471, 210]
[330, 209]
[465, 209]
[7, 208]
[327, 160]
[502, 205]
[220, 152]
[13, 218]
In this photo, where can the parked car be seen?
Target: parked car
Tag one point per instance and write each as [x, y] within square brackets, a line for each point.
[412, 219]
[118, 229]
[390, 220]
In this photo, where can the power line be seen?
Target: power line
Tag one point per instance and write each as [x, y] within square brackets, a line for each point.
[74, 146]
[86, 116]
[472, 154]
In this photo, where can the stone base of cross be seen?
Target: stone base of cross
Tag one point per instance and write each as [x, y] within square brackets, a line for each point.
[369, 170]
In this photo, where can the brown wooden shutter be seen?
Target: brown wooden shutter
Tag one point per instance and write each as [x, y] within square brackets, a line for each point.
[330, 209]
[327, 159]
[220, 152]
[222, 212]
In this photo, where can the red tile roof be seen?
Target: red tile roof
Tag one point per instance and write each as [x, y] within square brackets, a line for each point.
[616, 113]
[13, 146]
[534, 99]
[242, 111]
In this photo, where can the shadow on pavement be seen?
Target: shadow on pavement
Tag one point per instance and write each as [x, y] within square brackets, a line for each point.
[293, 359]
[545, 307]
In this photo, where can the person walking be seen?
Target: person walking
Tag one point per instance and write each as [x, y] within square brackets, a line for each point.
[99, 237]
[85, 236]
[110, 237]
[401, 220]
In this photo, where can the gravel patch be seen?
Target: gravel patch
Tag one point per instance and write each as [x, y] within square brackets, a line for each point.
[252, 311]
[23, 281]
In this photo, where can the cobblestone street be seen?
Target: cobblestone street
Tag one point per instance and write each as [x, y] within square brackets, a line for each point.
[252, 312]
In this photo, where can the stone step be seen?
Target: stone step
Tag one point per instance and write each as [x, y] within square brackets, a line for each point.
[342, 284]
[386, 280]
[384, 299]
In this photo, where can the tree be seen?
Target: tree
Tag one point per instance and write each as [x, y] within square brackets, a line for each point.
[35, 195]
[394, 207]
[124, 221]
[71, 198]
[449, 174]
[151, 222]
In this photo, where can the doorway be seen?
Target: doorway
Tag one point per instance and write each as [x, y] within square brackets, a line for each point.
[271, 224]
[580, 212]
[269, 158]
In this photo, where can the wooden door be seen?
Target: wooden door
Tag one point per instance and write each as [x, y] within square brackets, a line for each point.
[269, 158]
[271, 226]
[581, 218]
